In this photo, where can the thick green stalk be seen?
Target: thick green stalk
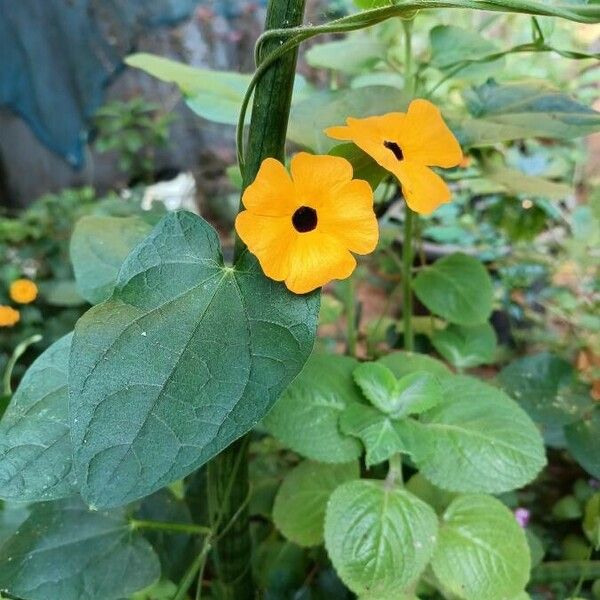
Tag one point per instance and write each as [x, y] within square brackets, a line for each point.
[228, 486]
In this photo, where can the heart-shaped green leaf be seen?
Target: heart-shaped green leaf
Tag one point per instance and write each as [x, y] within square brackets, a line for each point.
[35, 447]
[466, 347]
[379, 538]
[183, 359]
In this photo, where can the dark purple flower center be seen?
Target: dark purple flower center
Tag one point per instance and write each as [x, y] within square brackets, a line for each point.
[395, 149]
[304, 219]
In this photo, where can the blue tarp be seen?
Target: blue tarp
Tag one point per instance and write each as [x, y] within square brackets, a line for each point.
[56, 56]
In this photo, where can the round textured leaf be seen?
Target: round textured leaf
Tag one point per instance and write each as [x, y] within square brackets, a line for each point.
[306, 416]
[476, 440]
[482, 551]
[545, 386]
[379, 538]
[299, 508]
[457, 288]
[184, 358]
[583, 441]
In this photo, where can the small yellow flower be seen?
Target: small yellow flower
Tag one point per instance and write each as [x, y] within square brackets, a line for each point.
[23, 291]
[8, 316]
[407, 145]
[303, 228]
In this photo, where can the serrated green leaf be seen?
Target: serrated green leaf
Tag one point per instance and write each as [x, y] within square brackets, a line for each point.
[545, 386]
[305, 418]
[99, 246]
[477, 440]
[35, 447]
[299, 509]
[583, 441]
[186, 356]
[466, 347]
[404, 363]
[482, 551]
[379, 538]
[63, 550]
[457, 288]
[380, 434]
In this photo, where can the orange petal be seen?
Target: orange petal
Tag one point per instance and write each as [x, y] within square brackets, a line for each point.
[423, 189]
[348, 216]
[315, 176]
[426, 139]
[269, 239]
[316, 259]
[272, 191]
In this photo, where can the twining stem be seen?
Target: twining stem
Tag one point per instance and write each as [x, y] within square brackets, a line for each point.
[12, 361]
[409, 77]
[350, 302]
[407, 298]
[190, 528]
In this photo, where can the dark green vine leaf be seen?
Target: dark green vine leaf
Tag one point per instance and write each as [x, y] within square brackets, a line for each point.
[35, 447]
[364, 167]
[306, 416]
[545, 385]
[63, 550]
[186, 357]
[583, 441]
[457, 288]
[99, 246]
[466, 347]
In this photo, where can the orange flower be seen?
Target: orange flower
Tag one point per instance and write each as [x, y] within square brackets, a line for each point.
[303, 228]
[23, 291]
[407, 144]
[8, 316]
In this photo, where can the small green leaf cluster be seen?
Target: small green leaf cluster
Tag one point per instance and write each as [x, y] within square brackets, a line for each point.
[465, 438]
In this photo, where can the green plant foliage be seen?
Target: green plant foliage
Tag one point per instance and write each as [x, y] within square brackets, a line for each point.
[411, 394]
[363, 165]
[63, 550]
[350, 55]
[99, 245]
[481, 552]
[477, 440]
[466, 347]
[405, 363]
[178, 397]
[591, 522]
[35, 447]
[379, 538]
[457, 288]
[451, 46]
[316, 399]
[583, 441]
[299, 509]
[545, 386]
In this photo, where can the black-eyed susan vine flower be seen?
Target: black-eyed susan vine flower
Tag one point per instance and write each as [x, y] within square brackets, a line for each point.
[304, 226]
[407, 145]
[23, 291]
[8, 316]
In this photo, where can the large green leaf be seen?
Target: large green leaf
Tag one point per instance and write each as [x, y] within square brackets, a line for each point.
[513, 111]
[186, 356]
[299, 509]
[482, 552]
[35, 447]
[363, 166]
[351, 55]
[451, 45]
[457, 288]
[545, 386]
[583, 441]
[476, 440]
[305, 418]
[466, 347]
[380, 434]
[324, 109]
[99, 246]
[403, 363]
[379, 538]
[63, 550]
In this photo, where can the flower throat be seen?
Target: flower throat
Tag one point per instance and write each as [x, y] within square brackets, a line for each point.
[304, 219]
[395, 149]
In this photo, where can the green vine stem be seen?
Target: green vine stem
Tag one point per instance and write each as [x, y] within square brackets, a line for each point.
[407, 261]
[170, 527]
[12, 361]
[567, 570]
[228, 484]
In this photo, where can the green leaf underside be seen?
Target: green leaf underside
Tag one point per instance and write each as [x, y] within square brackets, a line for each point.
[35, 447]
[466, 347]
[381, 435]
[545, 386]
[99, 246]
[306, 416]
[184, 358]
[299, 509]
[583, 441]
[477, 440]
[363, 166]
[457, 288]
[65, 551]
[379, 539]
[482, 551]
